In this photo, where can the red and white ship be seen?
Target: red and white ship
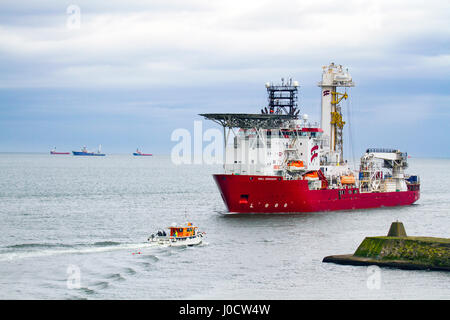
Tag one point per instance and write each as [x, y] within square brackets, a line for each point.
[277, 161]
[57, 152]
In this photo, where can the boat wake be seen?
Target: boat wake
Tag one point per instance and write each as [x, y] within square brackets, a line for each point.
[52, 250]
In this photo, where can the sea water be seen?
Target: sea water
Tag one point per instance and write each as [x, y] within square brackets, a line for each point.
[76, 228]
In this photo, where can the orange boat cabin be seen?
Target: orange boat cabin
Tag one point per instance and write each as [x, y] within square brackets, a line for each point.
[183, 231]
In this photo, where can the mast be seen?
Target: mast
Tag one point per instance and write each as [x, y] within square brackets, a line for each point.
[331, 122]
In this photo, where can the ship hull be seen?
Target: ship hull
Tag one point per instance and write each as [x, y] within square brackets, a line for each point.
[54, 152]
[272, 194]
[79, 153]
[142, 154]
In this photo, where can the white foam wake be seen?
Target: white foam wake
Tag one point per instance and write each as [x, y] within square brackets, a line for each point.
[11, 256]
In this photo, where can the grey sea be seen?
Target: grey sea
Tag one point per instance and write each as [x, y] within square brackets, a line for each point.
[76, 228]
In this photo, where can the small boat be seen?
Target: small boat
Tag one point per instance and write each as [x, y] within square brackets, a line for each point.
[56, 152]
[139, 153]
[179, 235]
[85, 152]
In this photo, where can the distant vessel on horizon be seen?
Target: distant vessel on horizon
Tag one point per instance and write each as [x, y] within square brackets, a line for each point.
[56, 152]
[85, 152]
[139, 153]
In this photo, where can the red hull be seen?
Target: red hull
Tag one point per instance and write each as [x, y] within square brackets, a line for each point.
[271, 194]
[54, 152]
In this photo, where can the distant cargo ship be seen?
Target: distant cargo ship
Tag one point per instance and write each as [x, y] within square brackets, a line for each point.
[139, 153]
[56, 152]
[85, 152]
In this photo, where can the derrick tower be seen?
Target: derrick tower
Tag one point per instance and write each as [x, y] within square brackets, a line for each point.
[333, 77]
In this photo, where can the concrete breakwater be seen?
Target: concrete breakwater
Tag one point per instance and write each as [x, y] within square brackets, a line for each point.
[399, 251]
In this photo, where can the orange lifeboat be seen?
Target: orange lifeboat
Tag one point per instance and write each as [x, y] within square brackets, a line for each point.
[347, 180]
[297, 163]
[311, 175]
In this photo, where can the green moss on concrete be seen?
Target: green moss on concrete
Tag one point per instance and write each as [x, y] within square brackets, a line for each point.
[370, 247]
[424, 250]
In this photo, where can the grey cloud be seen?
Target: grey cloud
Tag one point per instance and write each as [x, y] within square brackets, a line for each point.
[148, 43]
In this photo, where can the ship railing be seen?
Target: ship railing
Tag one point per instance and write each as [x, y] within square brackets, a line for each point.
[283, 88]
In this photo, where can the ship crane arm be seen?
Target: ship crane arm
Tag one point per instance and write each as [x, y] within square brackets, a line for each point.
[336, 99]
[392, 158]
[387, 154]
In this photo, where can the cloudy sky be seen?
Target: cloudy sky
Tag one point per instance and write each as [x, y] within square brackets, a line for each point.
[127, 73]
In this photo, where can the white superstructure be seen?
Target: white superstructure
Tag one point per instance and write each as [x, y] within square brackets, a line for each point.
[273, 151]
